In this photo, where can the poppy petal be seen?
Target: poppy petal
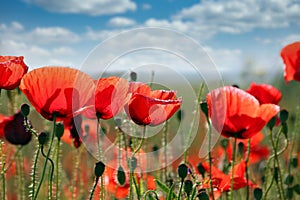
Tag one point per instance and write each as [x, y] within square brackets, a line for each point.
[12, 69]
[59, 90]
[290, 55]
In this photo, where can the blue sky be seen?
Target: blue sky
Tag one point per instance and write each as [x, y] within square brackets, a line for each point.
[235, 34]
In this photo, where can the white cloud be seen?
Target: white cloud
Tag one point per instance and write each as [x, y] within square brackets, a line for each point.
[17, 26]
[50, 35]
[91, 7]
[146, 6]
[121, 22]
[241, 16]
[40, 46]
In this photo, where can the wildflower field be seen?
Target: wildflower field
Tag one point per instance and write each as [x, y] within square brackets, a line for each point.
[66, 135]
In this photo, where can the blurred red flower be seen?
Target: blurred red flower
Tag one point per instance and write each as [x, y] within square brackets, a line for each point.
[222, 181]
[61, 91]
[152, 108]
[265, 93]
[236, 113]
[12, 69]
[258, 152]
[111, 94]
[15, 131]
[290, 55]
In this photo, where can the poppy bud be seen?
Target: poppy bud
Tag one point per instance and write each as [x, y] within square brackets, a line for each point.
[224, 143]
[59, 130]
[283, 115]
[99, 169]
[257, 193]
[155, 150]
[204, 108]
[25, 109]
[121, 177]
[202, 195]
[182, 171]
[43, 138]
[289, 179]
[201, 169]
[15, 131]
[179, 115]
[294, 162]
[271, 123]
[296, 188]
[241, 148]
[133, 76]
[188, 187]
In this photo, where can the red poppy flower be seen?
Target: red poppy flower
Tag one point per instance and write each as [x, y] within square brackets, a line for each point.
[111, 95]
[57, 90]
[258, 152]
[290, 55]
[12, 69]
[152, 108]
[236, 113]
[265, 93]
[222, 181]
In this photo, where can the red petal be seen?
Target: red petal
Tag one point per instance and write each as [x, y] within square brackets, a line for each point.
[12, 69]
[59, 90]
[111, 95]
[265, 93]
[291, 58]
[144, 110]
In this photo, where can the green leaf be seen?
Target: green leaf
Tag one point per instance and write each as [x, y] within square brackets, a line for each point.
[170, 195]
[163, 187]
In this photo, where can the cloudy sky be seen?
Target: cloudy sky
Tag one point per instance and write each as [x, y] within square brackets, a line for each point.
[235, 34]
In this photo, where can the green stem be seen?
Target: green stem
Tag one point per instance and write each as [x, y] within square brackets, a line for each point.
[180, 189]
[276, 162]
[294, 134]
[268, 169]
[275, 157]
[3, 171]
[148, 193]
[131, 174]
[94, 187]
[210, 159]
[51, 172]
[193, 122]
[247, 170]
[165, 140]
[46, 160]
[14, 158]
[19, 171]
[99, 146]
[34, 171]
[57, 169]
[232, 169]
[75, 174]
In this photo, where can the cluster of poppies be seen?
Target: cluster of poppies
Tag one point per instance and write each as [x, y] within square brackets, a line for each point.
[63, 94]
